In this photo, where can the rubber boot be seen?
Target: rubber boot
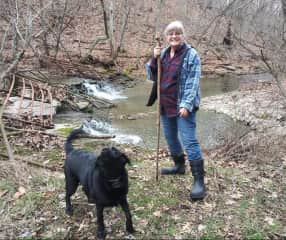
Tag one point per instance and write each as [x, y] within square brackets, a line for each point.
[198, 189]
[179, 167]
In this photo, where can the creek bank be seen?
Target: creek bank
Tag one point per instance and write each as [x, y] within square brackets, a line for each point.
[259, 105]
[211, 67]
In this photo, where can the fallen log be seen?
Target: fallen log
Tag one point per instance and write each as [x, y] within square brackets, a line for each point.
[31, 122]
[30, 162]
[105, 136]
[33, 131]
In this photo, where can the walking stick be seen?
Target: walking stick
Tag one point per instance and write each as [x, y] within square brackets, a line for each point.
[158, 39]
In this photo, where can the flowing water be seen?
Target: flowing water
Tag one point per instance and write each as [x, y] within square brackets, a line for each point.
[141, 128]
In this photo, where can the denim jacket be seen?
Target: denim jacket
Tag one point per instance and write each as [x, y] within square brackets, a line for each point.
[189, 83]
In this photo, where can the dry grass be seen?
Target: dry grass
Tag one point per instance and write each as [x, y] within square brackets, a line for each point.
[245, 199]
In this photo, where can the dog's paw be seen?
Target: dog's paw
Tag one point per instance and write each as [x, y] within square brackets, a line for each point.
[69, 211]
[130, 229]
[101, 234]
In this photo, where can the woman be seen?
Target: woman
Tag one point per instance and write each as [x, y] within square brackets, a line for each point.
[179, 102]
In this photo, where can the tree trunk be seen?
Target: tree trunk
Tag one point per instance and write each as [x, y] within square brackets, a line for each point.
[2, 46]
[124, 15]
[44, 29]
[111, 29]
[101, 38]
[15, 39]
[60, 28]
[283, 2]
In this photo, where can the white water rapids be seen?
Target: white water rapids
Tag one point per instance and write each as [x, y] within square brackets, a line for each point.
[212, 129]
[98, 127]
[103, 90]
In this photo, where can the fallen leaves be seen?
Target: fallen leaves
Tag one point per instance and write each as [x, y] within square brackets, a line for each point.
[157, 213]
[21, 191]
[269, 220]
[238, 194]
[201, 227]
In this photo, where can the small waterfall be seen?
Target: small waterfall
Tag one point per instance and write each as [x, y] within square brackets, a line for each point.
[98, 127]
[103, 90]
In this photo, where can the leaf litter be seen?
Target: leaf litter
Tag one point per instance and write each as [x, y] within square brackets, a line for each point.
[244, 199]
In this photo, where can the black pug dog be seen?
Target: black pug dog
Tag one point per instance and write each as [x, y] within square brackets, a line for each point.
[104, 179]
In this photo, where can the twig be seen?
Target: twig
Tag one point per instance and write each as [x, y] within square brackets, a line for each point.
[32, 97]
[30, 162]
[34, 131]
[3, 193]
[27, 122]
[10, 91]
[98, 136]
[42, 103]
[158, 106]
[2, 127]
[274, 74]
[105, 136]
[51, 101]
[22, 96]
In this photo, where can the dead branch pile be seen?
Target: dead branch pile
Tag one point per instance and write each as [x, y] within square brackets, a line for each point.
[36, 100]
[254, 147]
[30, 101]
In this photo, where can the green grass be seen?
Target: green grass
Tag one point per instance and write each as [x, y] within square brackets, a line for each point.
[49, 183]
[9, 188]
[160, 210]
[27, 204]
[54, 156]
[23, 151]
[6, 185]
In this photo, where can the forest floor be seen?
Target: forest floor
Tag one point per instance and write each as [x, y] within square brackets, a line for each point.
[244, 178]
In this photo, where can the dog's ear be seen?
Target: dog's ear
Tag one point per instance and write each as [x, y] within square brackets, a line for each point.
[126, 159]
[122, 155]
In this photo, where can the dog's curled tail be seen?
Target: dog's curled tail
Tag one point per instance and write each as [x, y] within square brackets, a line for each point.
[73, 135]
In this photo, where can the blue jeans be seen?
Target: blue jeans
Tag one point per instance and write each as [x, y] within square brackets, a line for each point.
[184, 129]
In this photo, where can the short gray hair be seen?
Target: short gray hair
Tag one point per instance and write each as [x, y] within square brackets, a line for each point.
[175, 25]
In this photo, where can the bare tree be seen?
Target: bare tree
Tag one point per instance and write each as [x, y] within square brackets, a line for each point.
[63, 16]
[19, 18]
[106, 31]
[125, 10]
[113, 32]
[283, 3]
[25, 37]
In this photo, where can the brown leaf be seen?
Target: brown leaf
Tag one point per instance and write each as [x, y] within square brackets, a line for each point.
[157, 213]
[20, 193]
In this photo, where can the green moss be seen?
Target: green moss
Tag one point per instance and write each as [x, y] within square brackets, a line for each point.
[65, 131]
[127, 71]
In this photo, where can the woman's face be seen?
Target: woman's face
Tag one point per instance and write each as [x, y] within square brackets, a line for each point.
[175, 38]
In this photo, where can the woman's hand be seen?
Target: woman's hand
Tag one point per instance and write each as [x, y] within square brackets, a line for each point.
[157, 51]
[183, 112]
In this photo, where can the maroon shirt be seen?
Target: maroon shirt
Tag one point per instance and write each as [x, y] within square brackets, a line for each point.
[169, 81]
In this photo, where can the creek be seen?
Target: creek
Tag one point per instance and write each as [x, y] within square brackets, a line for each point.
[132, 122]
